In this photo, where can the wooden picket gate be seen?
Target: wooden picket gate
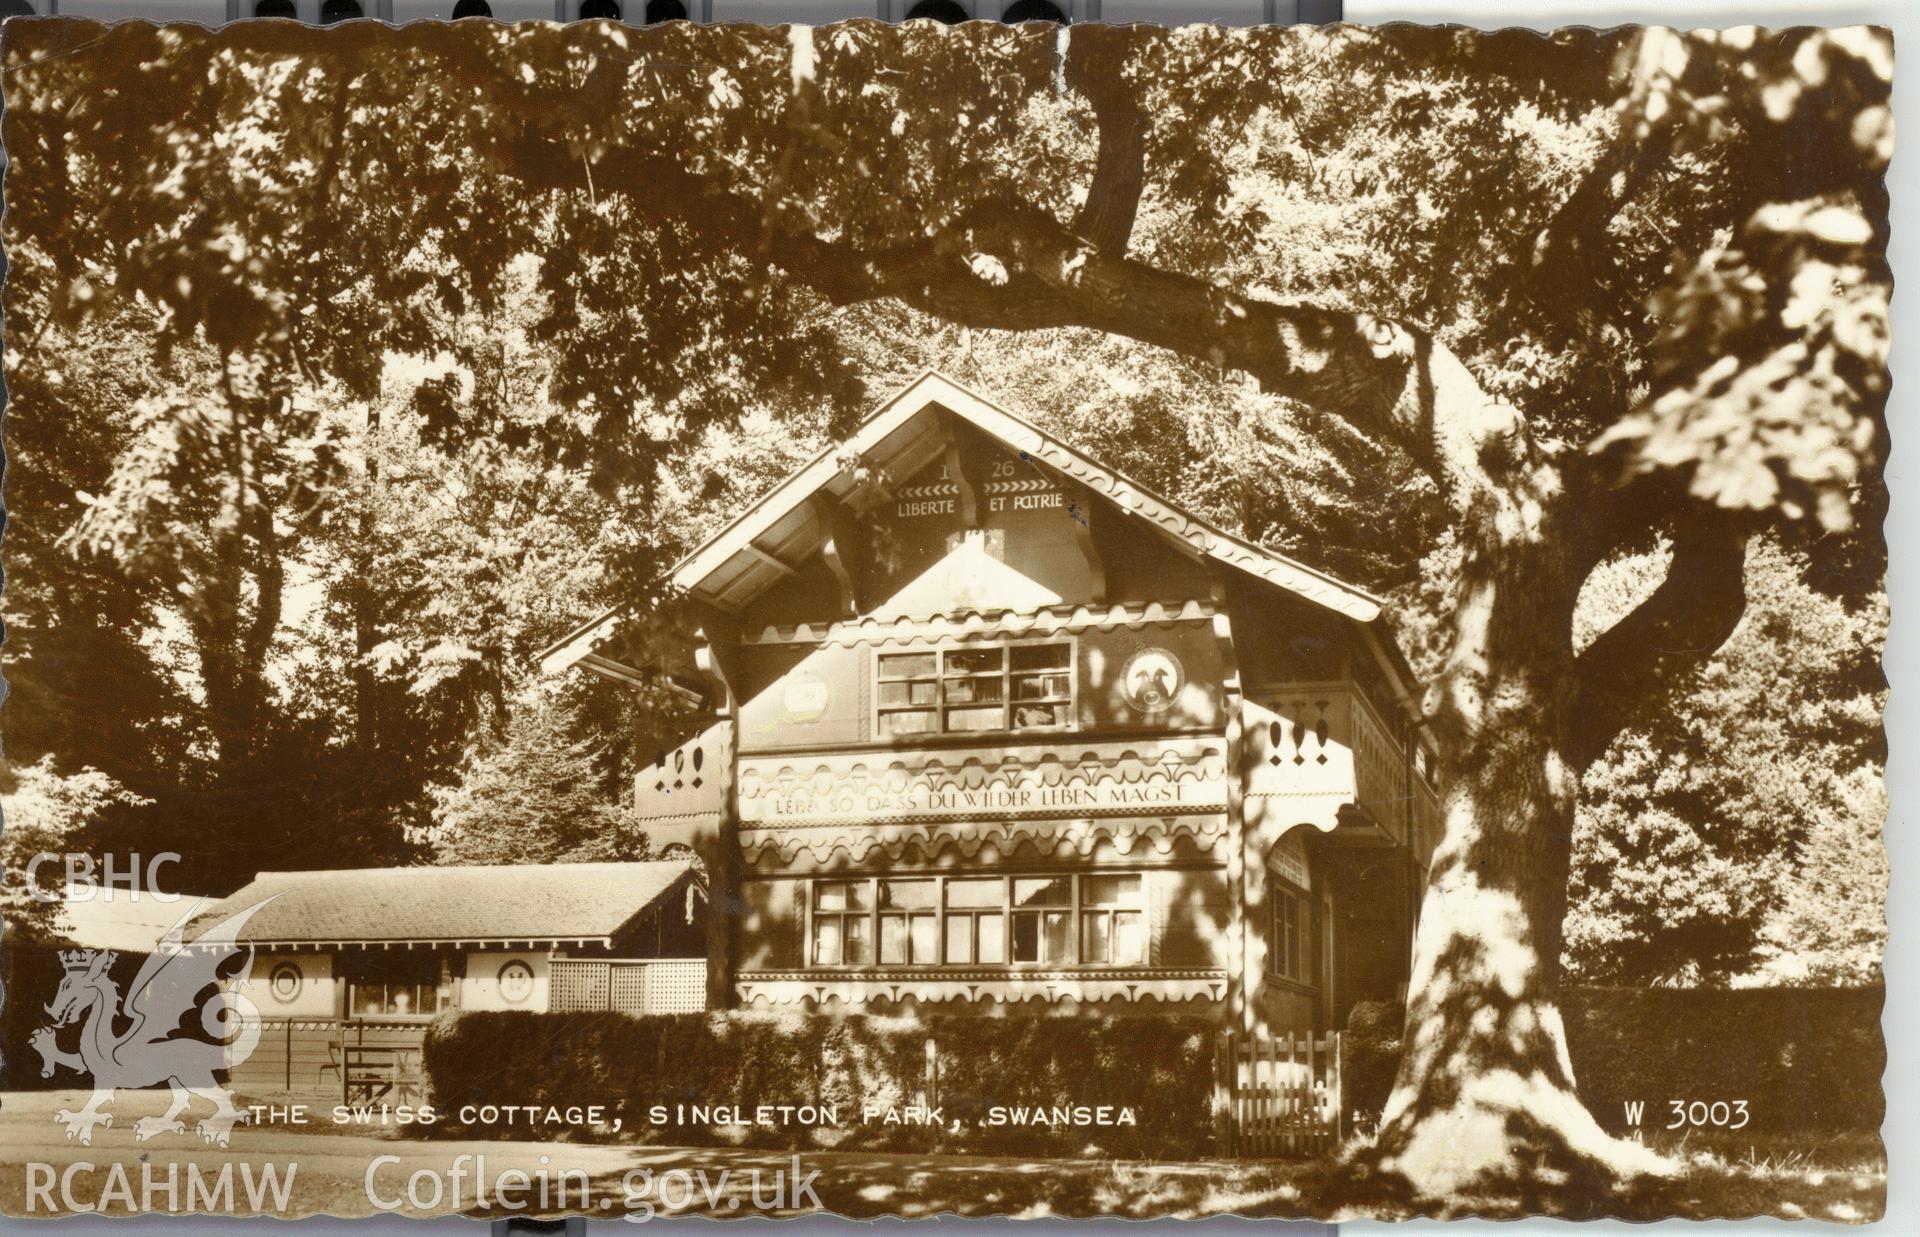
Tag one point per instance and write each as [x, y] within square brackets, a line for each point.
[1277, 1095]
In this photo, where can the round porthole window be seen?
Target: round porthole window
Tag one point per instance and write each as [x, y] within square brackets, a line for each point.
[285, 982]
[516, 982]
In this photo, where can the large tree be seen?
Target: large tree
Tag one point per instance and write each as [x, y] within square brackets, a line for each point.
[1569, 296]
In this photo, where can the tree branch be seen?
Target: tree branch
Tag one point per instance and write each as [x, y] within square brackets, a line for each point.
[1009, 265]
[1570, 273]
[1624, 674]
[1096, 61]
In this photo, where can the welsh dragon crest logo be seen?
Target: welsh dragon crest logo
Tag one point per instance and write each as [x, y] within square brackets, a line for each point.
[184, 1017]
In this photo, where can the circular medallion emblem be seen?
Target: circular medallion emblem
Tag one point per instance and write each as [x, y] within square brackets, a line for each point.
[804, 699]
[1151, 679]
[285, 982]
[516, 982]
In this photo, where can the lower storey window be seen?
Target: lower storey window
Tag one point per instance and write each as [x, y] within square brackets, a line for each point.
[842, 923]
[392, 983]
[1043, 919]
[1289, 953]
[909, 928]
[1112, 928]
[980, 920]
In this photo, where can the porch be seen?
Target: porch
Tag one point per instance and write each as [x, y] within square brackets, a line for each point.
[351, 1061]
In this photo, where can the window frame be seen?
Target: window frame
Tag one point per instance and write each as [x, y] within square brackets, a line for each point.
[906, 916]
[1302, 934]
[1089, 912]
[356, 983]
[840, 915]
[1039, 913]
[940, 677]
[972, 916]
[1076, 908]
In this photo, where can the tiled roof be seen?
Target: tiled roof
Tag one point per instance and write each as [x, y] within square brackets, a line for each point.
[129, 923]
[527, 902]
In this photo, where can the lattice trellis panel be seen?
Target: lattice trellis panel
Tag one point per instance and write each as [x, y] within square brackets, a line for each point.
[579, 986]
[678, 986]
[629, 991]
[629, 986]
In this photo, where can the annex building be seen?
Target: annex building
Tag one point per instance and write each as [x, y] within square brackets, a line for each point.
[348, 968]
[984, 725]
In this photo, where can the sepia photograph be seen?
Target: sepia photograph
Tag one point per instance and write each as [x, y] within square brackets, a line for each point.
[1004, 618]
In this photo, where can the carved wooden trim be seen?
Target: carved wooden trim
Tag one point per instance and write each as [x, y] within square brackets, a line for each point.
[844, 549]
[1240, 887]
[1054, 620]
[1157, 778]
[965, 474]
[1001, 987]
[1067, 837]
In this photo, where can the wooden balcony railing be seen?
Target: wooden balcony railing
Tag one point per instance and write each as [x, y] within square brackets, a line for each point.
[1318, 753]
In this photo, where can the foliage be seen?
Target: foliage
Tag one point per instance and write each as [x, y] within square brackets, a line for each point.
[1411, 175]
[1705, 841]
[45, 812]
[94, 676]
[1775, 337]
[1369, 1059]
[1417, 175]
[1804, 1059]
[205, 503]
[1159, 1067]
[1831, 927]
[537, 795]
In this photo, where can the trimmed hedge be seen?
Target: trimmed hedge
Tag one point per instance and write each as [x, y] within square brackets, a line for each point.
[1160, 1068]
[1802, 1058]
[1370, 1059]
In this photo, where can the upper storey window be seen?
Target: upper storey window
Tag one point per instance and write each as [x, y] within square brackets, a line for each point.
[979, 687]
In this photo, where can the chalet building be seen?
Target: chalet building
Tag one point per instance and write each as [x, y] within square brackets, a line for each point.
[350, 966]
[986, 725]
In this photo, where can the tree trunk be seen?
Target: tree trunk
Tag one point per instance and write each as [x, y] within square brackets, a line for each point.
[1484, 1113]
[366, 617]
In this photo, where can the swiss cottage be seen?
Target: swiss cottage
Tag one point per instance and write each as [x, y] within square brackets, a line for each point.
[984, 725]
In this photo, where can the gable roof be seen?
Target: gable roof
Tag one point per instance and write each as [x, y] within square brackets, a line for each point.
[492, 903]
[764, 546]
[904, 435]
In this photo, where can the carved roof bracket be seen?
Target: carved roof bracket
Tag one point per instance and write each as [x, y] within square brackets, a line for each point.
[844, 549]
